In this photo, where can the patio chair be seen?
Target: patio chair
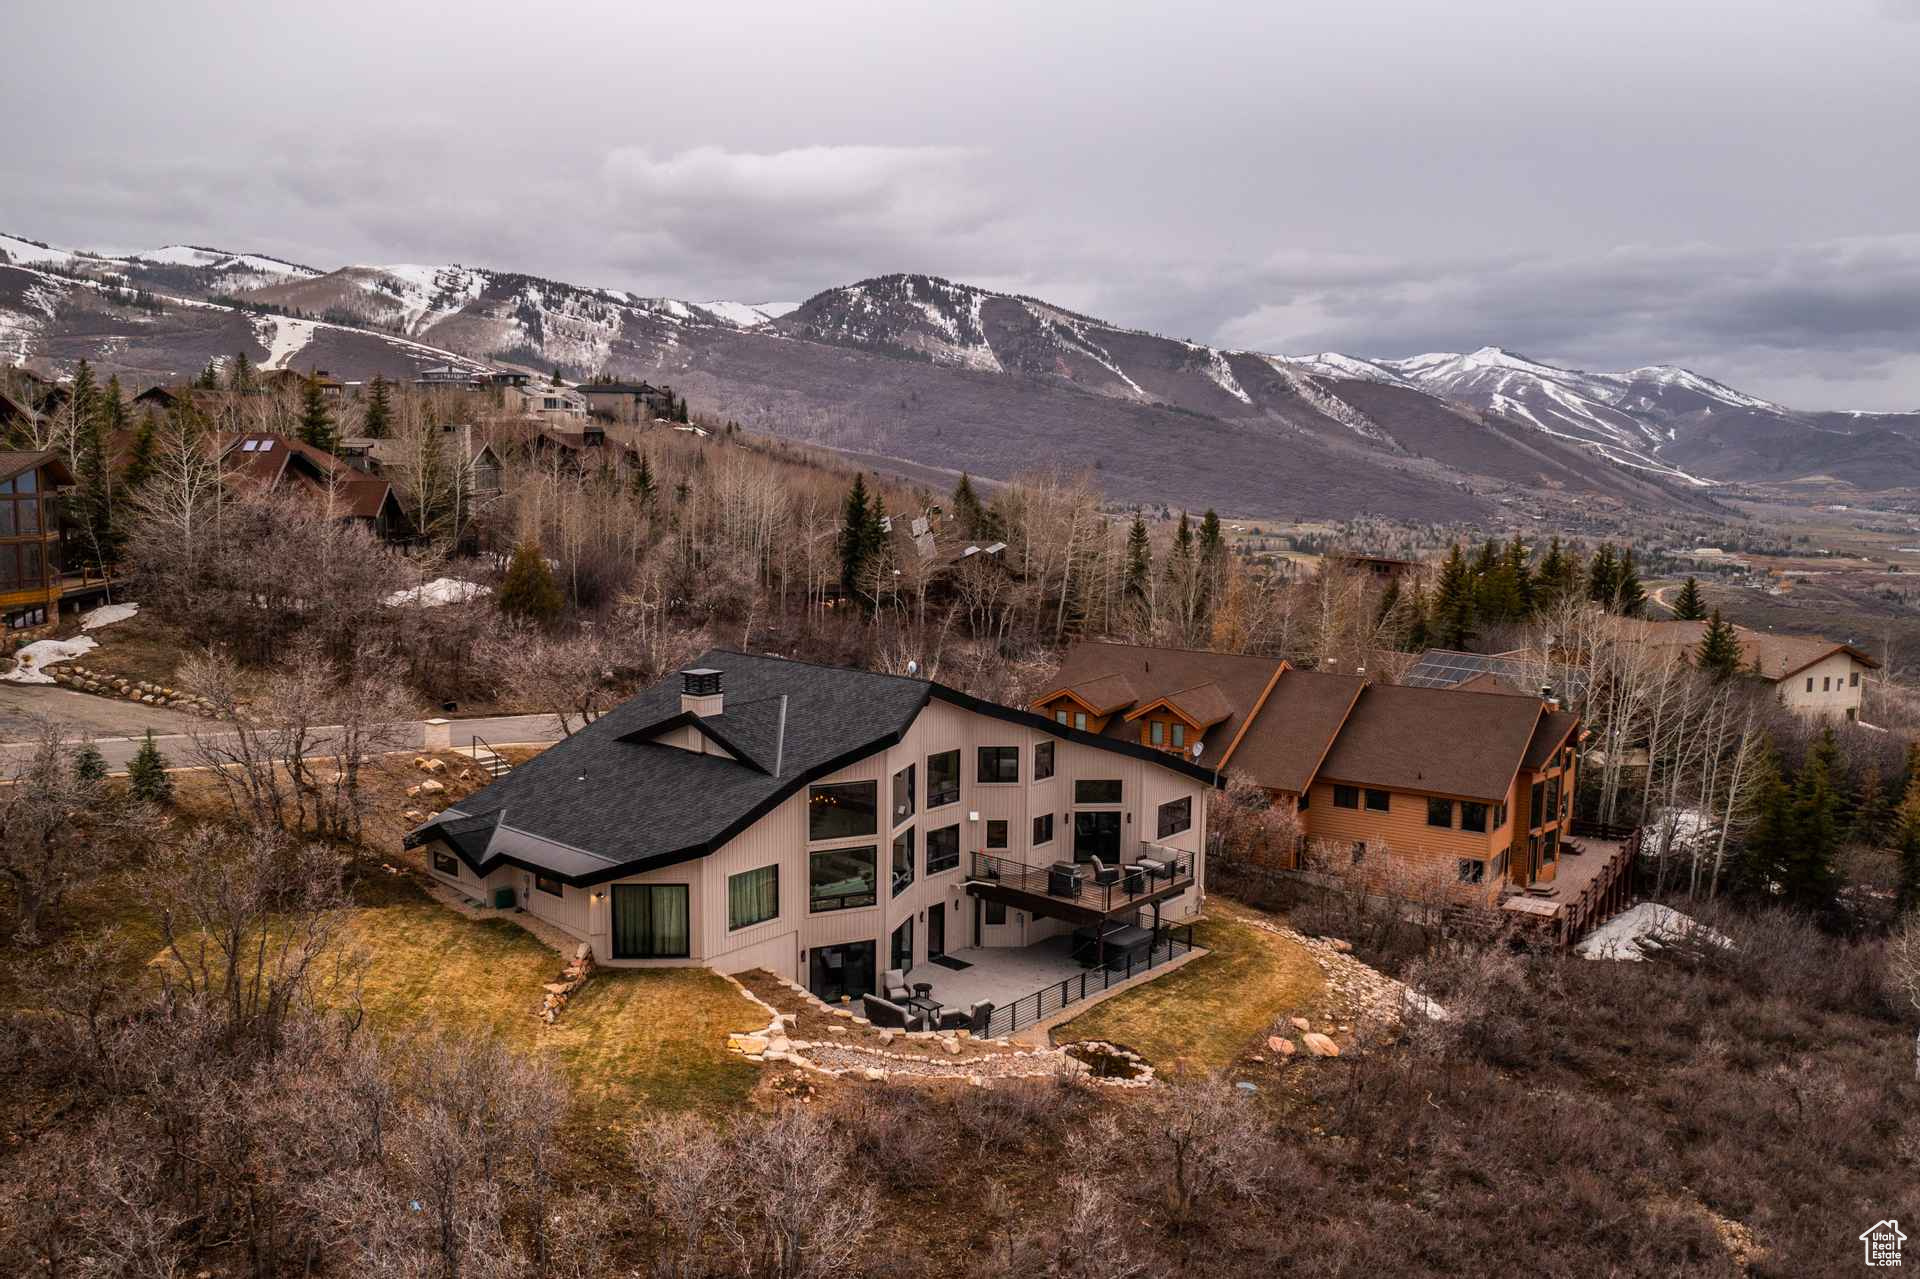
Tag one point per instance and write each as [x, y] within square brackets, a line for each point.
[887, 1014]
[1105, 874]
[981, 1017]
[893, 984]
[955, 1019]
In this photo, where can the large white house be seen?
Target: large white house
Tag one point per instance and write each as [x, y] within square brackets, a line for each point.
[829, 826]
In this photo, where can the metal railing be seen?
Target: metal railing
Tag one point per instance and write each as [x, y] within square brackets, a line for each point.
[1170, 943]
[1082, 884]
[496, 764]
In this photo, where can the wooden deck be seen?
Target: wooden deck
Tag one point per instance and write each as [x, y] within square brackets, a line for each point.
[1588, 887]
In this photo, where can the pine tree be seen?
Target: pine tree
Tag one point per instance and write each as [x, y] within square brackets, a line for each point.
[1603, 577]
[209, 379]
[1771, 832]
[556, 375]
[680, 411]
[240, 373]
[89, 765]
[1907, 845]
[643, 481]
[316, 423]
[140, 457]
[1873, 814]
[1807, 873]
[91, 508]
[856, 540]
[528, 591]
[147, 777]
[1139, 559]
[1687, 605]
[1520, 575]
[1552, 574]
[1719, 651]
[975, 520]
[1453, 617]
[379, 419]
[1419, 634]
[1628, 595]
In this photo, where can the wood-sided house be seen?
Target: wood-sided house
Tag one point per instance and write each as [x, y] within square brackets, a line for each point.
[30, 585]
[831, 826]
[1423, 790]
[281, 463]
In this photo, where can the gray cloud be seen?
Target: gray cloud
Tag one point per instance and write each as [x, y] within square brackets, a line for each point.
[1618, 184]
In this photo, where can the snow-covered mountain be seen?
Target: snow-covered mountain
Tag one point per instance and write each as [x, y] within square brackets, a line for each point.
[946, 374]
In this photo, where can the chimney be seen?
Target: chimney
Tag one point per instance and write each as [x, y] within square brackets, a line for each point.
[700, 692]
[1546, 695]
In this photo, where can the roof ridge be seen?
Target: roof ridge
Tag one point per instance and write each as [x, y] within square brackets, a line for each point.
[1174, 648]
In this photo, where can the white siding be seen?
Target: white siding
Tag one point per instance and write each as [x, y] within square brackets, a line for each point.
[1833, 692]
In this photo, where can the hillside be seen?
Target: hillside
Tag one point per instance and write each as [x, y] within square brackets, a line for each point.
[952, 377]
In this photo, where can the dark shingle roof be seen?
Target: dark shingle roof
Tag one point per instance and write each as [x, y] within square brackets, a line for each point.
[1146, 674]
[1547, 737]
[1295, 728]
[1412, 739]
[617, 801]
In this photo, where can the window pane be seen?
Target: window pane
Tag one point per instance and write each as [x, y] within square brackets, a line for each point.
[1440, 812]
[445, 862]
[903, 794]
[1080, 720]
[943, 849]
[1346, 797]
[1179, 734]
[753, 896]
[1379, 801]
[1176, 816]
[943, 779]
[902, 860]
[1473, 817]
[996, 912]
[902, 951]
[996, 834]
[840, 878]
[1043, 829]
[1043, 761]
[842, 810]
[1097, 792]
[1159, 731]
[650, 921]
[999, 764]
[547, 885]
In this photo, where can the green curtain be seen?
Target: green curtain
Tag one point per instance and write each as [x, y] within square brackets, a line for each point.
[753, 896]
[650, 921]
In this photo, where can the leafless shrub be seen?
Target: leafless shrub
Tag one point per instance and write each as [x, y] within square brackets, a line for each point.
[803, 1214]
[691, 1183]
[1213, 1141]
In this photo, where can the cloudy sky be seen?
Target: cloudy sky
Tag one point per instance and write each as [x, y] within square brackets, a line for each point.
[1729, 184]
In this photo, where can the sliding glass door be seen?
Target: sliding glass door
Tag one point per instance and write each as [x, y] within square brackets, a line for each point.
[650, 921]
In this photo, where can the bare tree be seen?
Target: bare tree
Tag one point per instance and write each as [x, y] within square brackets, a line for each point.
[1903, 973]
[57, 826]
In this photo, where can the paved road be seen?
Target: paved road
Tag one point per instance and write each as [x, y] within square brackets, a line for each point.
[502, 730]
[85, 712]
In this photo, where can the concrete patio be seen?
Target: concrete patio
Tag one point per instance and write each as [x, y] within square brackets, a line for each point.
[1000, 974]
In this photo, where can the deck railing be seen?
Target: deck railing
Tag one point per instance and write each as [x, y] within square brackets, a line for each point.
[1169, 944]
[1079, 883]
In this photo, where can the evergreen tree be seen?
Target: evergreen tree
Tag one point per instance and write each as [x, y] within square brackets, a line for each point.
[91, 508]
[1603, 577]
[643, 481]
[1687, 605]
[680, 411]
[1771, 833]
[209, 379]
[147, 777]
[1213, 560]
[1552, 576]
[1907, 845]
[1418, 632]
[316, 422]
[1139, 558]
[1452, 618]
[556, 375]
[141, 456]
[976, 520]
[1628, 595]
[240, 373]
[856, 537]
[1807, 874]
[1719, 651]
[528, 592]
[1873, 814]
[1519, 575]
[379, 419]
[89, 765]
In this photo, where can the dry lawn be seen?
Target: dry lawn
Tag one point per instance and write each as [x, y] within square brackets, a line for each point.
[1203, 1015]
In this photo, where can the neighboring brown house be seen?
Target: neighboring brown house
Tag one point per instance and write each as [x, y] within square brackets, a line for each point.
[1812, 676]
[482, 465]
[30, 537]
[280, 463]
[1470, 790]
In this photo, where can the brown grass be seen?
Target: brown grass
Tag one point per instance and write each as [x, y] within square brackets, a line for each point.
[1204, 1014]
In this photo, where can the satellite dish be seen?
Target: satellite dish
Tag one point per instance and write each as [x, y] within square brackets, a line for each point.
[913, 668]
[1197, 748]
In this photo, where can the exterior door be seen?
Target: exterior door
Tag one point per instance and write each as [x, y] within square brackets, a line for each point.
[846, 969]
[936, 929]
[1097, 835]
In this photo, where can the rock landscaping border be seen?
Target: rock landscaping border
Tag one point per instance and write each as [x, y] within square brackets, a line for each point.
[84, 679]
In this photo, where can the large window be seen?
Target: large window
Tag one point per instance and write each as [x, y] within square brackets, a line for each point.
[1346, 796]
[1550, 847]
[1472, 871]
[1043, 761]
[753, 896]
[1473, 817]
[1553, 798]
[1096, 792]
[1534, 816]
[1379, 801]
[650, 921]
[1440, 813]
[943, 849]
[548, 884]
[842, 878]
[943, 779]
[1043, 829]
[902, 860]
[445, 862]
[999, 764]
[903, 795]
[842, 810]
[902, 948]
[1176, 816]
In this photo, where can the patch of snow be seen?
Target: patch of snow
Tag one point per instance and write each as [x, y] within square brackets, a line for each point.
[107, 615]
[1634, 933]
[1415, 1002]
[288, 339]
[25, 252]
[441, 590]
[31, 661]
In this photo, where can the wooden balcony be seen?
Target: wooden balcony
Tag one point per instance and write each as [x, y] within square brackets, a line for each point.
[1083, 892]
[1589, 887]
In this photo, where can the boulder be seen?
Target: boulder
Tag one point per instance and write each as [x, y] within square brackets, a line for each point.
[952, 1047]
[1280, 1044]
[1320, 1045]
[432, 787]
[558, 988]
[583, 951]
[753, 1045]
[874, 1074]
[433, 765]
[1300, 1023]
[1338, 946]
